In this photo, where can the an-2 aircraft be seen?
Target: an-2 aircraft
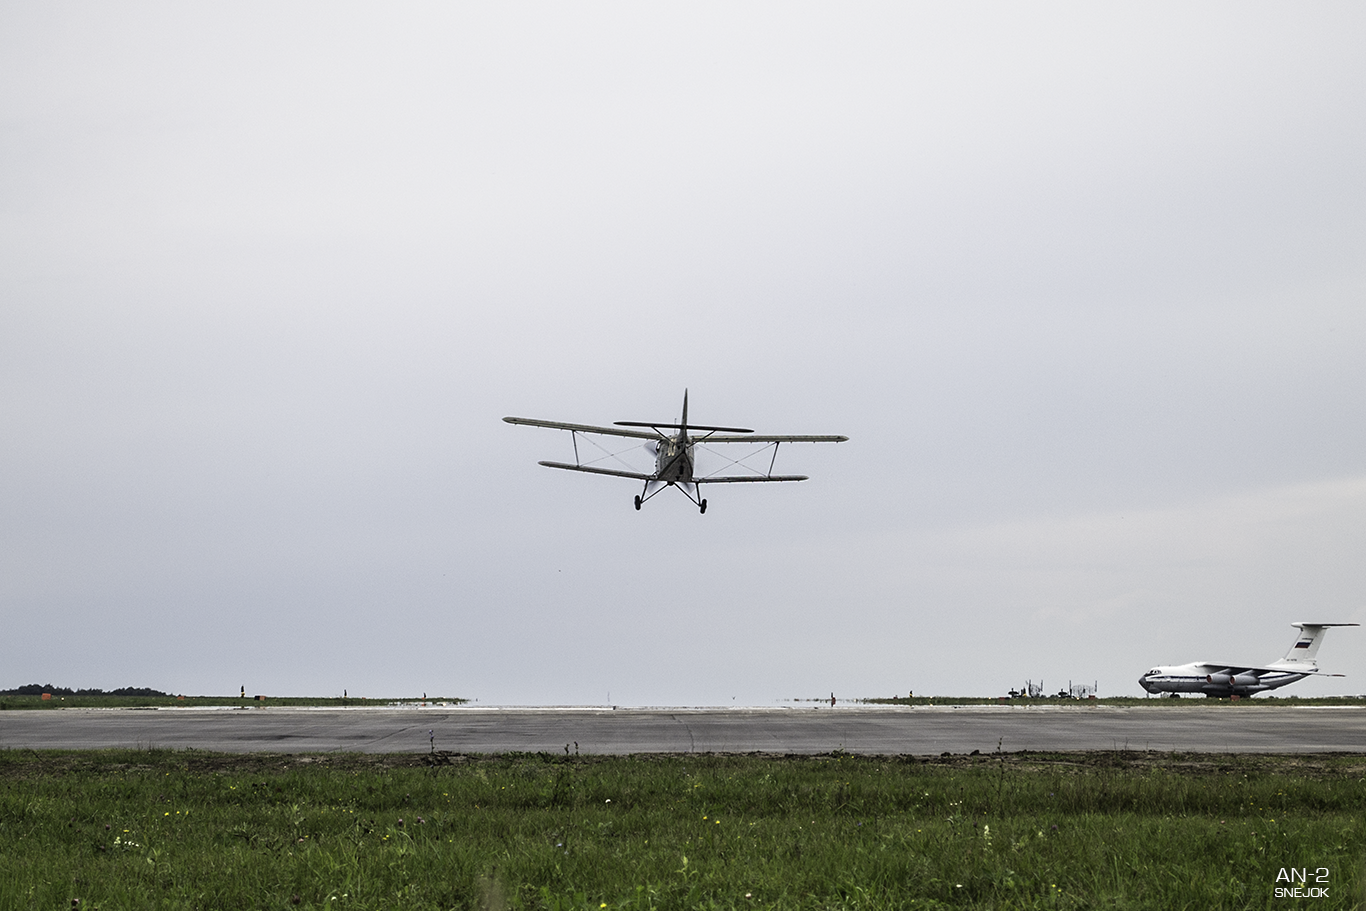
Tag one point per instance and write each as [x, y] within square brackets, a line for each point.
[674, 453]
[1217, 680]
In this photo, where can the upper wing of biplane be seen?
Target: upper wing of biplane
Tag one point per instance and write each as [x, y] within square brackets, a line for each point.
[709, 434]
[586, 428]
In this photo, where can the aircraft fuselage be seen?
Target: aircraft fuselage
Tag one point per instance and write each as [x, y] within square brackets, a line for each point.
[674, 460]
[1241, 679]
[1213, 680]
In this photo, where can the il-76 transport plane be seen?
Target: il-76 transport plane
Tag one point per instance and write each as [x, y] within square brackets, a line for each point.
[674, 453]
[1214, 679]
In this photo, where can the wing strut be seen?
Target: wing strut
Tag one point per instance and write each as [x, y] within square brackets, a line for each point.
[759, 474]
[606, 453]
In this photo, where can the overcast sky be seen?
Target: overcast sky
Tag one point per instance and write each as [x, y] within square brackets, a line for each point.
[1084, 284]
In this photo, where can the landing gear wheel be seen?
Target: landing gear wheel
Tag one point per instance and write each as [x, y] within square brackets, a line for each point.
[703, 507]
[637, 502]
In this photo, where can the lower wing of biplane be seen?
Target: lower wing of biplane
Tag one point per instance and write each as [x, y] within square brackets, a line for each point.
[674, 454]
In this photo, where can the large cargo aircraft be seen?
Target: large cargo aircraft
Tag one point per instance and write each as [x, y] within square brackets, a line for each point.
[1216, 680]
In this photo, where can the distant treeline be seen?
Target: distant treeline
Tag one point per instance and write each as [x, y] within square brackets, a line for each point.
[34, 689]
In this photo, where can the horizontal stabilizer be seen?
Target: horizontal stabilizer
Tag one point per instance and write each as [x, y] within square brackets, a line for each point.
[635, 475]
[680, 426]
[743, 479]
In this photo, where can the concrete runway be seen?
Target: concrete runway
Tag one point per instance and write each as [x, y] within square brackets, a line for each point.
[920, 730]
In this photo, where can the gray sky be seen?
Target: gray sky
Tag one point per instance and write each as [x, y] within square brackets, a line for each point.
[1085, 285]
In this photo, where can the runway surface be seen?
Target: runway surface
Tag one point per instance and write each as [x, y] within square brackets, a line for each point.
[919, 730]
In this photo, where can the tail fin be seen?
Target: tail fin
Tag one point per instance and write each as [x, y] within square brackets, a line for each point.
[1307, 643]
[684, 420]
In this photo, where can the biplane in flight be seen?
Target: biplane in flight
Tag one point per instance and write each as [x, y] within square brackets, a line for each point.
[675, 453]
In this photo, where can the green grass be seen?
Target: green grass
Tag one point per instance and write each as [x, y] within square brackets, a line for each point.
[126, 702]
[1125, 701]
[169, 829]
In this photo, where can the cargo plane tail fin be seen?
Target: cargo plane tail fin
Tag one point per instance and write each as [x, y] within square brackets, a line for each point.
[1306, 647]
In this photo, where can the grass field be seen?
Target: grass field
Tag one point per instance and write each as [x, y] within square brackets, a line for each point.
[171, 829]
[128, 702]
[1125, 701]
